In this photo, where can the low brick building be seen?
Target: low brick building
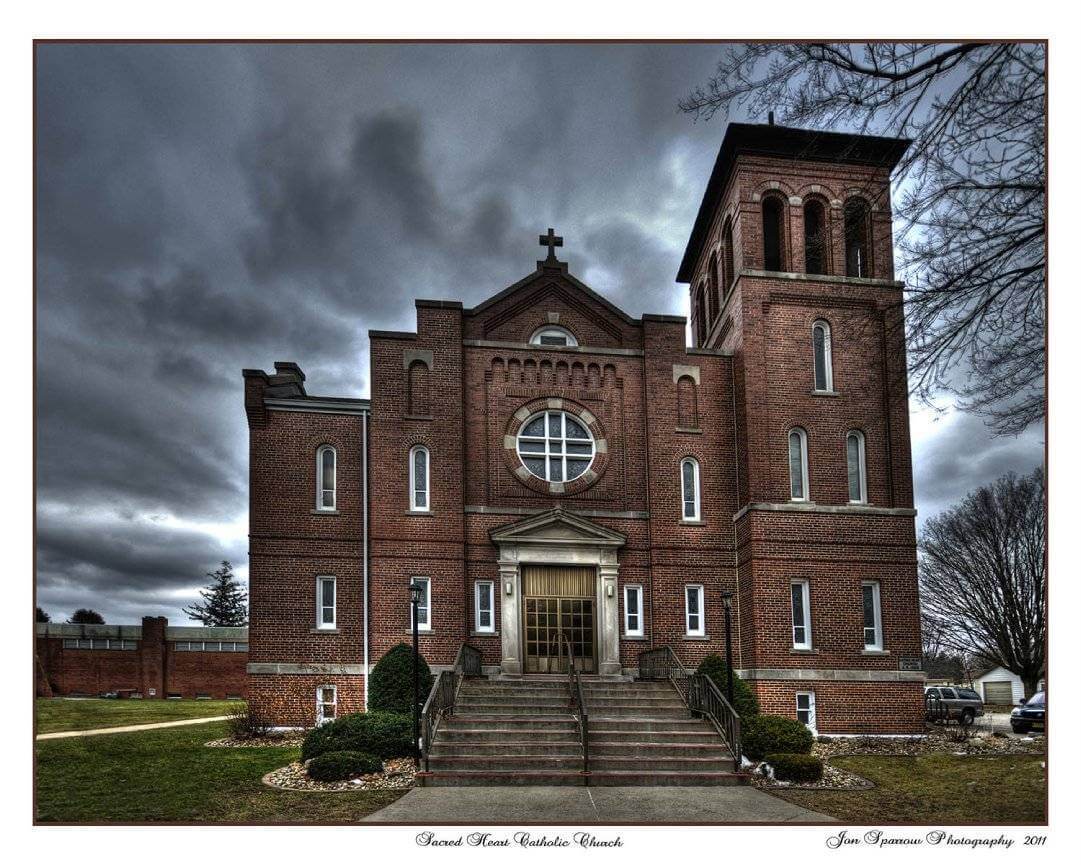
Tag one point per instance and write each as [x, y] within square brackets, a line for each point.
[153, 660]
[547, 464]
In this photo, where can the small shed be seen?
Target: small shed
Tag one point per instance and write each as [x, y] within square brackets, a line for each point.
[999, 685]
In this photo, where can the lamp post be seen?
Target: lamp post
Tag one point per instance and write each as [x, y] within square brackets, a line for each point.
[727, 598]
[416, 590]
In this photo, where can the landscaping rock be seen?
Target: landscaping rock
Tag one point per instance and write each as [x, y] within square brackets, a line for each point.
[397, 774]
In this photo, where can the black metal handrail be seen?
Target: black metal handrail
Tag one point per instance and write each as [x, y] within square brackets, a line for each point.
[698, 691]
[444, 692]
[578, 698]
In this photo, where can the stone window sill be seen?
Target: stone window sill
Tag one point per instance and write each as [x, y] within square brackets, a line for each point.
[483, 633]
[326, 513]
[824, 393]
[419, 514]
[324, 631]
[637, 638]
[701, 638]
[688, 429]
[874, 652]
[803, 651]
[416, 417]
[692, 522]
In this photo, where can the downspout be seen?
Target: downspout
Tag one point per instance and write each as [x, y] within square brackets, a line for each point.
[364, 534]
[735, 534]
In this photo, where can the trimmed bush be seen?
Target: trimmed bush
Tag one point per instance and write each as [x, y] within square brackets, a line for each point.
[798, 768]
[390, 688]
[382, 734]
[772, 734]
[339, 765]
[744, 700]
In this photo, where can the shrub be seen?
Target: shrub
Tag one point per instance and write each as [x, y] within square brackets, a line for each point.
[382, 734]
[390, 688]
[243, 723]
[339, 765]
[772, 734]
[744, 700]
[799, 768]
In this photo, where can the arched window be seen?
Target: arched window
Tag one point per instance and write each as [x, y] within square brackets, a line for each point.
[418, 479]
[822, 346]
[857, 238]
[700, 314]
[729, 257]
[797, 465]
[857, 467]
[814, 236]
[420, 390]
[716, 291]
[772, 233]
[687, 403]
[552, 335]
[326, 479]
[692, 493]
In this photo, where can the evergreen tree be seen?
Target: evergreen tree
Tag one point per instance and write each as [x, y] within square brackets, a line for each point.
[224, 602]
[84, 616]
[40, 615]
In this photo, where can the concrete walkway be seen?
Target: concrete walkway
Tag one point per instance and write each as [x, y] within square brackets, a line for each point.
[131, 728]
[435, 806]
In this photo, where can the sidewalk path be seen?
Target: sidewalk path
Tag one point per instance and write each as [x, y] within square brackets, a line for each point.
[132, 728]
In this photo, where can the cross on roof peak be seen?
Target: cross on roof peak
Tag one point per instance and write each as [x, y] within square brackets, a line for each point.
[551, 240]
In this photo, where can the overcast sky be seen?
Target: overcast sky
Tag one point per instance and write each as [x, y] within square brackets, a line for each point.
[202, 209]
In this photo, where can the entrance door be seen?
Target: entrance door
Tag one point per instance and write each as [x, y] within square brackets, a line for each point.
[558, 601]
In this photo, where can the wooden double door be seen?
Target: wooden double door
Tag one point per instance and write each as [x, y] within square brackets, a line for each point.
[559, 601]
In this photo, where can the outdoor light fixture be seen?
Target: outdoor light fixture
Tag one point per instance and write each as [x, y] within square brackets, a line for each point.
[611, 590]
[510, 588]
[416, 592]
[727, 598]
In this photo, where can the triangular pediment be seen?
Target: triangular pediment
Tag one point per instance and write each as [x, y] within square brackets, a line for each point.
[557, 526]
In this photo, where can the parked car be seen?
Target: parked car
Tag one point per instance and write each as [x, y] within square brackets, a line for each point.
[1031, 713]
[953, 704]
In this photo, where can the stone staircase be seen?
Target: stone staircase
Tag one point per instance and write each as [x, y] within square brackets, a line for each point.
[522, 732]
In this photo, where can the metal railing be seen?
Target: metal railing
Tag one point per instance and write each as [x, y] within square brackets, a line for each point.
[577, 701]
[440, 702]
[699, 692]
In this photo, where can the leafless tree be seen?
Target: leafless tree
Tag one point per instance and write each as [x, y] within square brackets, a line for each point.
[983, 576]
[971, 209]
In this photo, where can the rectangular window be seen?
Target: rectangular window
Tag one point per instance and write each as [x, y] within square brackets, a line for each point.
[326, 703]
[872, 616]
[326, 600]
[424, 608]
[801, 614]
[695, 611]
[632, 611]
[805, 709]
[485, 617]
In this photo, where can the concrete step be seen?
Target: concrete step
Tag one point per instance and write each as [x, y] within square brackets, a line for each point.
[662, 764]
[478, 721]
[507, 746]
[649, 750]
[640, 713]
[642, 702]
[498, 779]
[504, 763]
[466, 700]
[681, 724]
[666, 779]
[501, 708]
[485, 735]
[656, 737]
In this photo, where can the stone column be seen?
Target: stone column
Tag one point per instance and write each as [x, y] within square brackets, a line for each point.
[608, 573]
[510, 625]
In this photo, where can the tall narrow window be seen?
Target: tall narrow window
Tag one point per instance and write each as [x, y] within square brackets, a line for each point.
[805, 710]
[872, 616]
[801, 614]
[700, 314]
[695, 611]
[326, 704]
[814, 236]
[857, 238]
[687, 403]
[326, 603]
[424, 608]
[772, 233]
[857, 467]
[326, 480]
[797, 465]
[716, 288]
[420, 389]
[485, 615]
[692, 498]
[632, 611]
[729, 257]
[822, 346]
[418, 479]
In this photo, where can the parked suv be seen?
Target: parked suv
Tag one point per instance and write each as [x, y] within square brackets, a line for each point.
[953, 704]
[1031, 713]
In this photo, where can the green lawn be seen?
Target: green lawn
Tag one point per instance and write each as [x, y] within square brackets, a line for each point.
[58, 715]
[935, 789]
[169, 775]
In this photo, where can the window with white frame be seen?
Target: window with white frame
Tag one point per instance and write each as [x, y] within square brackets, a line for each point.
[418, 479]
[326, 483]
[424, 608]
[632, 611]
[857, 467]
[484, 610]
[326, 603]
[553, 335]
[805, 709]
[556, 446]
[821, 343]
[695, 612]
[326, 703]
[692, 499]
[797, 465]
[872, 616]
[801, 614]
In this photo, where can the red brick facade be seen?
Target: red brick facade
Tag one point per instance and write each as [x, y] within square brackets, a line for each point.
[465, 383]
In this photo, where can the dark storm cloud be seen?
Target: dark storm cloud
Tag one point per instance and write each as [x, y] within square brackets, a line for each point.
[201, 209]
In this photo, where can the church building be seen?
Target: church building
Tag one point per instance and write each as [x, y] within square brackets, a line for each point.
[549, 466]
